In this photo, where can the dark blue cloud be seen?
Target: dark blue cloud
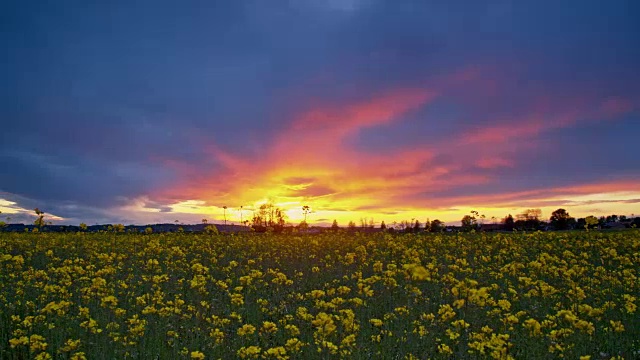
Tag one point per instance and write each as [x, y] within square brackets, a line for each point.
[98, 98]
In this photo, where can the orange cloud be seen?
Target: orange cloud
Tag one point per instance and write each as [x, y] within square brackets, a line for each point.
[311, 162]
[314, 147]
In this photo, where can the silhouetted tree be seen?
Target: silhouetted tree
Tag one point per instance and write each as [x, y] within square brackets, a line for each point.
[335, 226]
[509, 223]
[351, 226]
[601, 221]
[436, 226]
[560, 219]
[470, 222]
[529, 219]
[478, 217]
[383, 226]
[416, 226]
[267, 217]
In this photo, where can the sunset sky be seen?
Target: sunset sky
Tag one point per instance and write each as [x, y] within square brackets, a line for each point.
[159, 111]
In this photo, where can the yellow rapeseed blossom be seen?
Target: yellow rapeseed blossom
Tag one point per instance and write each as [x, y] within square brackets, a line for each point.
[249, 352]
[324, 324]
[533, 326]
[444, 349]
[294, 345]
[616, 326]
[278, 352]
[268, 327]
[217, 335]
[70, 345]
[79, 356]
[629, 304]
[197, 355]
[246, 329]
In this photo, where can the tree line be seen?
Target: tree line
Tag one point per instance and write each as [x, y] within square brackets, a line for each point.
[270, 218]
[560, 219]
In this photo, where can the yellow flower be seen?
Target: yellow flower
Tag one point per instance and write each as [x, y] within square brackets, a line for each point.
[444, 349]
[279, 353]
[616, 326]
[292, 329]
[533, 326]
[43, 356]
[294, 345]
[348, 341]
[511, 319]
[70, 345]
[459, 303]
[197, 355]
[109, 301]
[316, 294]
[251, 352]
[324, 324]
[237, 299]
[23, 340]
[446, 312]
[37, 343]
[328, 345]
[420, 273]
[452, 334]
[246, 329]
[217, 335]
[268, 327]
[629, 303]
[461, 324]
[78, 356]
[376, 322]
[377, 266]
[505, 305]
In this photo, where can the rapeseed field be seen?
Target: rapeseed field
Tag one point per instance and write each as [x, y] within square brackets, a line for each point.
[336, 295]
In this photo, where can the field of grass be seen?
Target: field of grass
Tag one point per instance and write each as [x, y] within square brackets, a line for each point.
[334, 295]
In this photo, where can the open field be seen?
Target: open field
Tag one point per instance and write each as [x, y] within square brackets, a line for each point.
[334, 295]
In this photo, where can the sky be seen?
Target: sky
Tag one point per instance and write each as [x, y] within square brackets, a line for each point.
[141, 112]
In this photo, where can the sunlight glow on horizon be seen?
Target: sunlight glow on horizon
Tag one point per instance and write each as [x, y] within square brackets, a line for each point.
[324, 211]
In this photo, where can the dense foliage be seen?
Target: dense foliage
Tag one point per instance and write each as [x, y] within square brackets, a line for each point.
[333, 295]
